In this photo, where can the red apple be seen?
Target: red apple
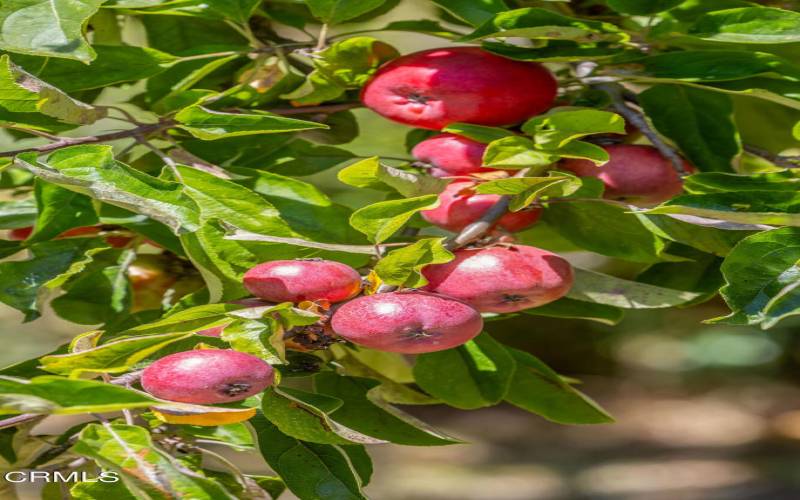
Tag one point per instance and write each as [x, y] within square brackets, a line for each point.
[459, 206]
[635, 173]
[434, 88]
[451, 155]
[502, 279]
[207, 376]
[303, 279]
[411, 322]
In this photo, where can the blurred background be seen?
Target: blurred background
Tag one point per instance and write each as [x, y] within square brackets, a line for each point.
[703, 412]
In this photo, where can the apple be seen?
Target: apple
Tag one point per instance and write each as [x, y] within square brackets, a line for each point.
[451, 155]
[501, 279]
[434, 88]
[409, 322]
[637, 174]
[303, 279]
[459, 206]
[207, 376]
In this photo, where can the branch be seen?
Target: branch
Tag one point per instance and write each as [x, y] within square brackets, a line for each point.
[91, 139]
[616, 92]
[774, 158]
[149, 128]
[475, 230]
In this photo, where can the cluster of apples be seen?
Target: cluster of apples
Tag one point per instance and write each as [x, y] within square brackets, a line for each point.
[429, 89]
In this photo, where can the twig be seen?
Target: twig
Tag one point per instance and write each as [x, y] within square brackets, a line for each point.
[91, 139]
[19, 419]
[475, 230]
[774, 158]
[322, 38]
[617, 93]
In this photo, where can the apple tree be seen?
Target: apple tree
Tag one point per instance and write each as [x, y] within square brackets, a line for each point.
[163, 182]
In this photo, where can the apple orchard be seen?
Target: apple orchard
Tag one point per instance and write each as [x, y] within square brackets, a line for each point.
[163, 183]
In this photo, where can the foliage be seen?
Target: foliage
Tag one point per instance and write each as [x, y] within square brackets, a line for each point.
[161, 149]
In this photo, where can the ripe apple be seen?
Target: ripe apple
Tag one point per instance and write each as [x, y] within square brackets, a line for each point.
[635, 173]
[459, 206]
[207, 376]
[150, 279]
[409, 322]
[501, 279]
[451, 155]
[434, 88]
[303, 279]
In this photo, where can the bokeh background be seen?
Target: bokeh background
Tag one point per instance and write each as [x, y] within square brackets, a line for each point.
[703, 412]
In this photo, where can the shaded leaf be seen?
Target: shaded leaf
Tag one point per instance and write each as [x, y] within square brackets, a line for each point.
[591, 286]
[474, 375]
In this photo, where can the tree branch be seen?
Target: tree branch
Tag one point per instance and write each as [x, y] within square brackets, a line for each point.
[149, 128]
[91, 139]
[616, 92]
[774, 158]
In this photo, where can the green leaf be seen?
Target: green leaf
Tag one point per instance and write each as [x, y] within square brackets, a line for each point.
[147, 471]
[710, 239]
[100, 293]
[591, 286]
[61, 396]
[717, 65]
[763, 278]
[570, 308]
[526, 190]
[780, 208]
[475, 12]
[539, 23]
[337, 11]
[96, 490]
[517, 152]
[701, 274]
[236, 10]
[561, 126]
[366, 414]
[186, 321]
[401, 267]
[642, 7]
[478, 133]
[607, 229]
[310, 471]
[371, 173]
[17, 213]
[228, 201]
[52, 28]
[92, 171]
[351, 62]
[556, 51]
[474, 375]
[748, 25]
[211, 125]
[699, 121]
[381, 220]
[59, 209]
[114, 64]
[114, 357]
[535, 387]
[20, 282]
[306, 416]
[22, 93]
[714, 182]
